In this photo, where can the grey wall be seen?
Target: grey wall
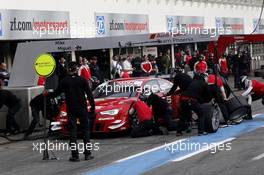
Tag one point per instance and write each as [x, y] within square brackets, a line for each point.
[23, 117]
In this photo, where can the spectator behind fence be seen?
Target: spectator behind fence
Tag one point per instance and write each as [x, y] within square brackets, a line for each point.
[223, 67]
[194, 59]
[178, 56]
[126, 65]
[210, 62]
[95, 71]
[154, 65]
[186, 60]
[116, 66]
[84, 70]
[136, 63]
[62, 70]
[160, 65]
[166, 60]
[146, 66]
[200, 66]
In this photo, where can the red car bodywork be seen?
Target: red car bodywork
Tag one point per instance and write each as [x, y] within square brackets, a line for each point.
[118, 120]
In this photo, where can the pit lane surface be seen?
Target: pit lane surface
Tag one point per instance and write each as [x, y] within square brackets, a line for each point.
[245, 157]
[181, 150]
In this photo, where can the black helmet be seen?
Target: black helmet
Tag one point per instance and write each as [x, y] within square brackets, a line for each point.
[200, 76]
[143, 97]
[73, 66]
[201, 57]
[178, 69]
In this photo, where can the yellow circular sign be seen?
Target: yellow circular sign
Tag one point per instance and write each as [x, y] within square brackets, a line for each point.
[45, 65]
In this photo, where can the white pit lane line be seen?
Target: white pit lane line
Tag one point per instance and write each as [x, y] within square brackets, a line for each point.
[153, 149]
[258, 157]
[202, 150]
[180, 158]
[178, 141]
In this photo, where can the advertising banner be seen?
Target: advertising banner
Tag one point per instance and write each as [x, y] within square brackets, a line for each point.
[29, 24]
[184, 23]
[230, 25]
[113, 24]
[260, 27]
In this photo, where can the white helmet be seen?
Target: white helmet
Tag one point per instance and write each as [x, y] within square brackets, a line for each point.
[244, 81]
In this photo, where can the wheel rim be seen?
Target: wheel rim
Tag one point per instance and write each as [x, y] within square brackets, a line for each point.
[215, 119]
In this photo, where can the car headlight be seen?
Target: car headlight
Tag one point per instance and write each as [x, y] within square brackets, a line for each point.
[110, 112]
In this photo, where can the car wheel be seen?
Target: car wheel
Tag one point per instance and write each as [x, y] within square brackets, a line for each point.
[226, 87]
[238, 108]
[212, 114]
[227, 90]
[236, 102]
[133, 120]
[238, 115]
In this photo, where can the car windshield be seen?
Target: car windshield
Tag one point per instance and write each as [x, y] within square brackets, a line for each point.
[114, 89]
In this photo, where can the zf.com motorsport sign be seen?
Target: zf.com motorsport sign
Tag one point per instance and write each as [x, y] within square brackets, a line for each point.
[45, 65]
[113, 24]
[33, 24]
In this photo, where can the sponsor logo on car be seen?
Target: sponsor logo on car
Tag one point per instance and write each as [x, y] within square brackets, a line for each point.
[132, 82]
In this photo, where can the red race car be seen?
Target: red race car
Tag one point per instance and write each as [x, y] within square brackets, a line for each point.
[113, 99]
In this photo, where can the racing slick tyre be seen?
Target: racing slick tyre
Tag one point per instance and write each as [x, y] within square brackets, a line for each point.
[238, 108]
[227, 88]
[212, 115]
[133, 120]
